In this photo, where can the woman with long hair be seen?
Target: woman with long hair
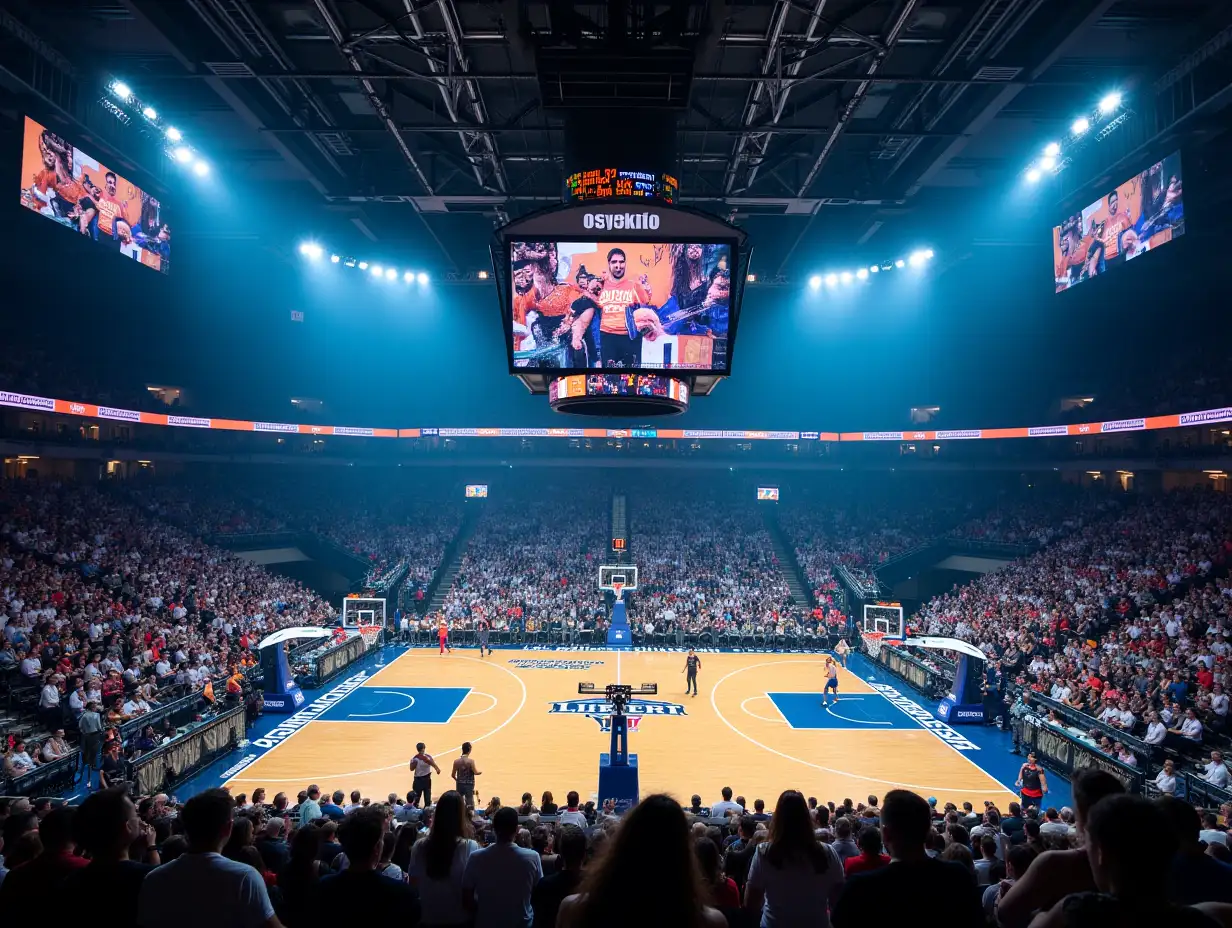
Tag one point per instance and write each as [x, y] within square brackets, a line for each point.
[794, 879]
[652, 852]
[723, 891]
[299, 877]
[548, 805]
[438, 860]
[402, 848]
[240, 846]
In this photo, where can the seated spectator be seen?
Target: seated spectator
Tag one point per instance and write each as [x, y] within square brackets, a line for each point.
[1130, 874]
[273, 848]
[222, 891]
[107, 828]
[553, 890]
[1209, 834]
[438, 861]
[1194, 876]
[240, 846]
[1165, 780]
[893, 893]
[498, 880]
[988, 869]
[360, 894]
[299, 879]
[546, 805]
[1017, 861]
[571, 815]
[740, 853]
[1216, 771]
[843, 844]
[653, 852]
[722, 888]
[1057, 874]
[870, 857]
[25, 893]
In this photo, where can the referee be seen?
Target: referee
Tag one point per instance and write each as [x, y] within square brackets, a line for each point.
[691, 665]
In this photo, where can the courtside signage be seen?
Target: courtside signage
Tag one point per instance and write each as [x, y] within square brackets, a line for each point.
[309, 713]
[540, 664]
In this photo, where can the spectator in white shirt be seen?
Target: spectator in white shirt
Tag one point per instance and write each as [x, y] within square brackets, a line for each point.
[498, 880]
[1165, 780]
[1216, 772]
[55, 747]
[726, 807]
[572, 815]
[1209, 833]
[1156, 731]
[223, 892]
[30, 666]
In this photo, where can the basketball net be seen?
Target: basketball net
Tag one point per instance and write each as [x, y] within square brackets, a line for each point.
[872, 642]
[371, 634]
[617, 587]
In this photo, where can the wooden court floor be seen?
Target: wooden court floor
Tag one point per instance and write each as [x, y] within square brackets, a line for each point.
[757, 725]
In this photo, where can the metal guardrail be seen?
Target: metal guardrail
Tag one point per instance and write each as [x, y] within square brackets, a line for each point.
[160, 769]
[914, 671]
[184, 708]
[1084, 722]
[50, 777]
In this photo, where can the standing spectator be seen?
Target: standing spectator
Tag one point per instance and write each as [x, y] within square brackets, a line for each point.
[552, 890]
[843, 844]
[438, 861]
[723, 891]
[299, 880]
[794, 879]
[892, 894]
[1130, 874]
[647, 876]
[222, 892]
[740, 855]
[107, 828]
[1194, 876]
[498, 880]
[27, 890]
[360, 895]
[1057, 874]
[870, 857]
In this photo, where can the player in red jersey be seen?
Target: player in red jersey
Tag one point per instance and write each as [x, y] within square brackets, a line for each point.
[442, 634]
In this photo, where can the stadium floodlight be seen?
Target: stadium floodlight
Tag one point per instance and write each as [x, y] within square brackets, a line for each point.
[845, 277]
[311, 250]
[150, 113]
[831, 280]
[408, 276]
[183, 154]
[1033, 175]
[201, 168]
[1047, 163]
[928, 254]
[1081, 125]
[1052, 149]
[334, 259]
[483, 275]
[363, 265]
[917, 259]
[1110, 102]
[422, 277]
[751, 278]
[862, 273]
[122, 90]
[391, 273]
[377, 270]
[900, 263]
[815, 282]
[173, 134]
[874, 269]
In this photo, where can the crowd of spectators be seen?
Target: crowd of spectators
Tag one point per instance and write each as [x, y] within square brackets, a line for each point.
[327, 859]
[533, 563]
[107, 612]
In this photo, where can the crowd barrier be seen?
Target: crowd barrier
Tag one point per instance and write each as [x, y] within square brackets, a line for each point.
[1063, 752]
[907, 667]
[1087, 723]
[332, 661]
[95, 411]
[45, 779]
[586, 638]
[159, 769]
[180, 711]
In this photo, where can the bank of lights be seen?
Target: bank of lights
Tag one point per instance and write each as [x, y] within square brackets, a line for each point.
[1053, 157]
[833, 279]
[313, 251]
[175, 147]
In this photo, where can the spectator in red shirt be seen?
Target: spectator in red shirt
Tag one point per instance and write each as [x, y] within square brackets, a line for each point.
[871, 856]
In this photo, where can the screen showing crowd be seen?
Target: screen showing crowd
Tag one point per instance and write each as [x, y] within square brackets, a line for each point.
[639, 306]
[1137, 216]
[476, 491]
[76, 190]
[768, 493]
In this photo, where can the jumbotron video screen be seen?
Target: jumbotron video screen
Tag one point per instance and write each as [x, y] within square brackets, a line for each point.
[621, 305]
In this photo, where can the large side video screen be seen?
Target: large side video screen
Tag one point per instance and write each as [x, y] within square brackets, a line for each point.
[75, 189]
[621, 305]
[1138, 216]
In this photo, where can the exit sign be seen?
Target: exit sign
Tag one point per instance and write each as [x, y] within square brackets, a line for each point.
[618, 544]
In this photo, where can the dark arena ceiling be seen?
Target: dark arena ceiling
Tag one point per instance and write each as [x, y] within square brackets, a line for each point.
[840, 126]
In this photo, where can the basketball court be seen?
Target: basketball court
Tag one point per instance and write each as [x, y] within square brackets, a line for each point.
[758, 725]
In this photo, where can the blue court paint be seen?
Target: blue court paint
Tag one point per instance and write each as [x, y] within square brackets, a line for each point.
[431, 705]
[864, 711]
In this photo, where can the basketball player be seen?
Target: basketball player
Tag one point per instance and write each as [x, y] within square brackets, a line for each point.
[831, 682]
[442, 634]
[692, 664]
[842, 650]
[422, 765]
[1032, 783]
[484, 626]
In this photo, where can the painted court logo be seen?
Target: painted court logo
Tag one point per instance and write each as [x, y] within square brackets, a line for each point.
[924, 718]
[531, 664]
[601, 710]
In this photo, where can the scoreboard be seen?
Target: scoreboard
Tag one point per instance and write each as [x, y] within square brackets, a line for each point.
[614, 183]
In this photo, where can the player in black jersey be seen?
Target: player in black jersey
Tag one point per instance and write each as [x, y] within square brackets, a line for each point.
[483, 628]
[692, 664]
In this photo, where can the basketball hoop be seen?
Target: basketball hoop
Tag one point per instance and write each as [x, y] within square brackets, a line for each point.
[617, 587]
[371, 634]
[872, 643]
